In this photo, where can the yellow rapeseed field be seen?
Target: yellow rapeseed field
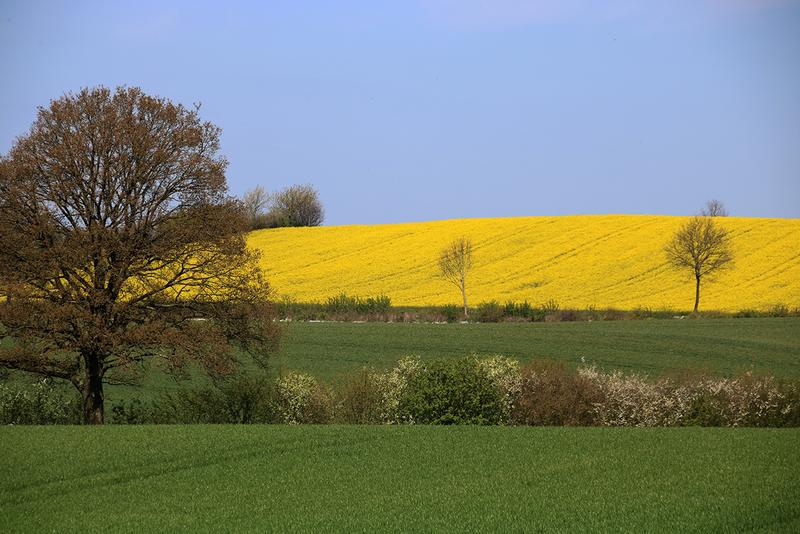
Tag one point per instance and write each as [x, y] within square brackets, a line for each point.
[578, 261]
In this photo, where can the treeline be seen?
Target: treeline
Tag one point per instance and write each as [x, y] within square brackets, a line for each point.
[344, 307]
[476, 391]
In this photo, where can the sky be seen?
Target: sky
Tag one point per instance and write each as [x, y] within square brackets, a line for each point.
[435, 109]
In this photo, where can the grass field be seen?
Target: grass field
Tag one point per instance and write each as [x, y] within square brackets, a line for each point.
[656, 347]
[722, 346]
[347, 479]
[578, 261]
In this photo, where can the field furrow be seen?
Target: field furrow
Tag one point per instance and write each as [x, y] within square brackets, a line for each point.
[578, 261]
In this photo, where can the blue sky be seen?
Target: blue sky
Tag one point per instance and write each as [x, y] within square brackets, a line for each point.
[434, 109]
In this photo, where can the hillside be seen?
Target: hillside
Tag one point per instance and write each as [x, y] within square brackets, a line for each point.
[578, 261]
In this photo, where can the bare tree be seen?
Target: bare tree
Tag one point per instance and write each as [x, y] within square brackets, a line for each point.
[455, 261]
[702, 247]
[714, 208]
[119, 245]
[256, 201]
[298, 205]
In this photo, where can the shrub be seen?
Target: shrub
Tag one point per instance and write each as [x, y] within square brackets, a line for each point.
[552, 395]
[240, 399]
[297, 205]
[505, 375]
[301, 399]
[747, 400]
[489, 312]
[452, 313]
[346, 304]
[40, 404]
[394, 385]
[519, 309]
[361, 399]
[452, 391]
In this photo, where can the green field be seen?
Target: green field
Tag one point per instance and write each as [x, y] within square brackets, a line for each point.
[329, 350]
[361, 478]
[723, 346]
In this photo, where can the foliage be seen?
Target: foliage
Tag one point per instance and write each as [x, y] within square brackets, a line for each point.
[343, 303]
[362, 398]
[714, 208]
[455, 262]
[505, 375]
[239, 399]
[297, 205]
[41, 404]
[489, 312]
[605, 261]
[550, 394]
[115, 251]
[701, 247]
[456, 391]
[255, 203]
[302, 399]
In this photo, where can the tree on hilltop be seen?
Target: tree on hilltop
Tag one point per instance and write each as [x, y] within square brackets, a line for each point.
[255, 202]
[455, 262]
[701, 247]
[119, 246]
[714, 208]
[297, 205]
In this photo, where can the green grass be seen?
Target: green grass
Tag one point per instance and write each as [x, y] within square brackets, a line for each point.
[315, 479]
[722, 346]
[329, 350]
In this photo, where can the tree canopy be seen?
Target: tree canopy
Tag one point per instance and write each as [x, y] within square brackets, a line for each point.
[119, 244]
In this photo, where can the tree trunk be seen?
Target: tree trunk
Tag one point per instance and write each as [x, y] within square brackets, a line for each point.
[696, 294]
[464, 296]
[92, 391]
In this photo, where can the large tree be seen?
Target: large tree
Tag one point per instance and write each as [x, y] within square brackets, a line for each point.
[119, 245]
[701, 247]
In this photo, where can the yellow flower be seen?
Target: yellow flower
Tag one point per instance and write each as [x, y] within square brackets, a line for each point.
[578, 261]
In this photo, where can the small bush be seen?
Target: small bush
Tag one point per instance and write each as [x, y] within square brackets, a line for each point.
[40, 404]
[552, 395]
[301, 399]
[519, 309]
[489, 312]
[446, 392]
[505, 375]
[240, 399]
[346, 304]
[452, 313]
[361, 399]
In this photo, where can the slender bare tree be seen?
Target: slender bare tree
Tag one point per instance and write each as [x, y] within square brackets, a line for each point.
[119, 245]
[455, 262]
[714, 208]
[701, 247]
[256, 201]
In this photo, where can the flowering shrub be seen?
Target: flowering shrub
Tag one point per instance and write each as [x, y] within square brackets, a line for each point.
[301, 399]
[394, 384]
[747, 400]
[505, 374]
